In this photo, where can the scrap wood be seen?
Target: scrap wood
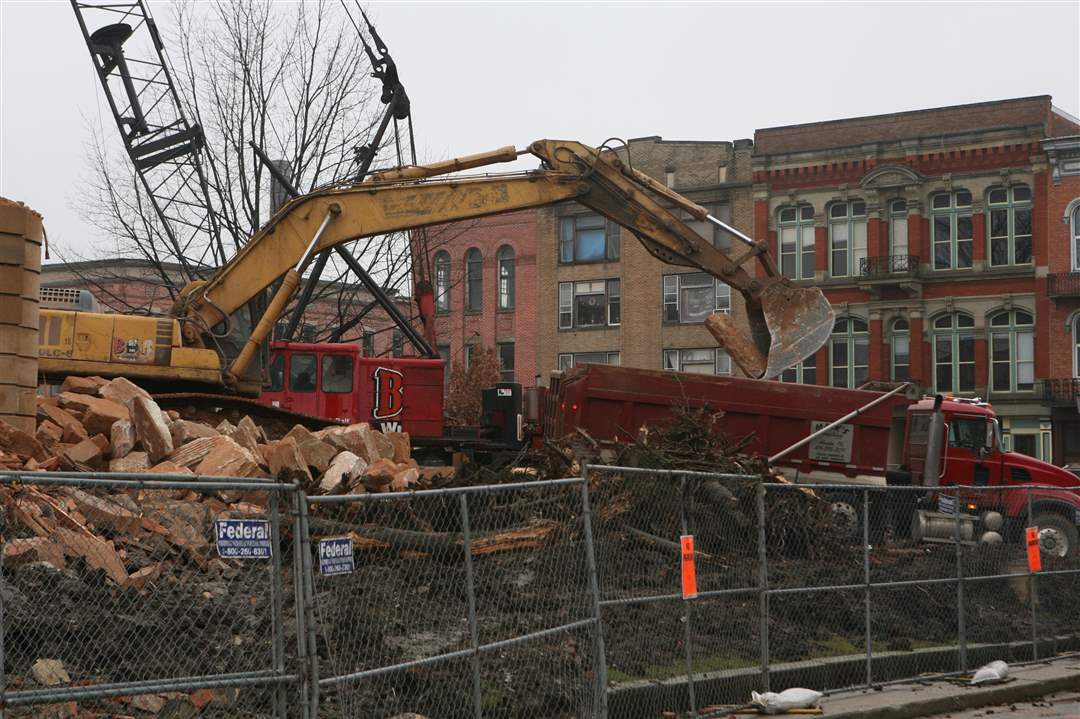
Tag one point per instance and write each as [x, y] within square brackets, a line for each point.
[668, 544]
[530, 536]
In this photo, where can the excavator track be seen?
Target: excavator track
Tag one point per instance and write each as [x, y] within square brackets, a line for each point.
[274, 420]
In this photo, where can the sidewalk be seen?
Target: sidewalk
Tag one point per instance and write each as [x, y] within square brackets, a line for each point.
[935, 697]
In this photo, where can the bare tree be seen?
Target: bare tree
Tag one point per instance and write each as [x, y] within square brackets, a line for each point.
[291, 78]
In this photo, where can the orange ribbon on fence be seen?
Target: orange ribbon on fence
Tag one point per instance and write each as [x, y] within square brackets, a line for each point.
[689, 572]
[1034, 556]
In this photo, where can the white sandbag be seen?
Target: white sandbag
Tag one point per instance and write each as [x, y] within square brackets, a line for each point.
[794, 698]
[991, 673]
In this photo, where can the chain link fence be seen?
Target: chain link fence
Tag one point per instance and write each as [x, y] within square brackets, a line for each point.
[560, 598]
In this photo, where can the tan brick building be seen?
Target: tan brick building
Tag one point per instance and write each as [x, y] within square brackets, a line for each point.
[602, 298]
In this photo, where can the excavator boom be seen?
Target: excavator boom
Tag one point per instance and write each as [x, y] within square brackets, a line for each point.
[787, 323]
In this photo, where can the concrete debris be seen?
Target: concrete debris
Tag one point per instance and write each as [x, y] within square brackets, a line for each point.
[131, 462]
[229, 459]
[183, 431]
[287, 463]
[49, 672]
[345, 468]
[151, 428]
[122, 391]
[122, 438]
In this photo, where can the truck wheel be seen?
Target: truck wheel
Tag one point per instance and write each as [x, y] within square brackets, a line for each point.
[846, 513]
[1057, 535]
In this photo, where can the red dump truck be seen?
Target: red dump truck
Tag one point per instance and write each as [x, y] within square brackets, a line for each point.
[893, 442]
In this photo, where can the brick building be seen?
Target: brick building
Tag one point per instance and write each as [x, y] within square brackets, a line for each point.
[1061, 303]
[484, 274]
[930, 232]
[133, 285]
[603, 298]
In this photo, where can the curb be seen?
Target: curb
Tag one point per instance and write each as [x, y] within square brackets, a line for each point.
[970, 699]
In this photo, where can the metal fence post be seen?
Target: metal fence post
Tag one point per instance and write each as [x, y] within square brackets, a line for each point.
[299, 601]
[866, 579]
[470, 588]
[763, 586]
[687, 607]
[308, 595]
[1032, 587]
[960, 608]
[276, 613]
[3, 656]
[594, 589]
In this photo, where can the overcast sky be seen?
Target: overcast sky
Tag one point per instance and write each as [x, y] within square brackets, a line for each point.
[485, 75]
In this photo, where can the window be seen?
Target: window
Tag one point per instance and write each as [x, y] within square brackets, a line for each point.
[720, 239]
[693, 297]
[474, 281]
[588, 238]
[593, 303]
[506, 359]
[1076, 238]
[469, 349]
[898, 244]
[1012, 352]
[847, 237]
[367, 343]
[698, 361]
[968, 433]
[796, 233]
[803, 373]
[398, 346]
[900, 341]
[337, 373]
[302, 373]
[954, 353]
[1076, 346]
[849, 353]
[566, 361]
[305, 332]
[951, 219]
[276, 373]
[442, 282]
[1009, 225]
[505, 260]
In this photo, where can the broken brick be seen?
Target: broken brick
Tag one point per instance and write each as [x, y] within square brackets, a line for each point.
[130, 462]
[86, 452]
[20, 443]
[402, 445]
[82, 385]
[287, 463]
[228, 459]
[183, 431]
[97, 552]
[122, 391]
[73, 430]
[49, 433]
[21, 551]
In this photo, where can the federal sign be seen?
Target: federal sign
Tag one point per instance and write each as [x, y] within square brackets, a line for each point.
[834, 445]
[243, 538]
[946, 504]
[336, 556]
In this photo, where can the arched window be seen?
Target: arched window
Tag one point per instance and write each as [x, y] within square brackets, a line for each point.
[954, 353]
[847, 237]
[849, 353]
[505, 258]
[1076, 346]
[900, 341]
[1012, 351]
[442, 281]
[474, 281]
[1075, 232]
[951, 222]
[1008, 225]
[898, 244]
[796, 235]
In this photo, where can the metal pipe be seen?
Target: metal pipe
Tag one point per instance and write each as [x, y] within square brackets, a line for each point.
[136, 480]
[153, 686]
[960, 611]
[688, 630]
[470, 590]
[475, 489]
[299, 601]
[277, 629]
[866, 579]
[309, 603]
[845, 418]
[594, 590]
[763, 588]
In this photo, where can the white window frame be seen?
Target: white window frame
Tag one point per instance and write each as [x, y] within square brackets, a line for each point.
[897, 221]
[896, 334]
[797, 373]
[568, 292]
[851, 338]
[1074, 234]
[568, 360]
[1010, 206]
[1012, 333]
[953, 212]
[853, 224]
[674, 360]
[672, 296]
[802, 232]
[506, 271]
[954, 334]
[442, 282]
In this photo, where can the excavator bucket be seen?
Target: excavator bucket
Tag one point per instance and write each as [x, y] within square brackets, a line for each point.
[799, 320]
[789, 325]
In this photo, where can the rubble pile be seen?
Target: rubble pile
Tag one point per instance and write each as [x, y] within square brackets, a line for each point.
[95, 424]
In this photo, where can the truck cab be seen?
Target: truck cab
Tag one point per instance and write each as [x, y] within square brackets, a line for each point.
[969, 452]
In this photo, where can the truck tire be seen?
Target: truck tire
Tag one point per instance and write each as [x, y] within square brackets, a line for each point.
[1058, 536]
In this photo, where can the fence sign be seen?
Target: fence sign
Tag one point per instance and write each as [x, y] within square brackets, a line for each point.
[243, 538]
[946, 504]
[834, 445]
[689, 571]
[336, 556]
[1034, 556]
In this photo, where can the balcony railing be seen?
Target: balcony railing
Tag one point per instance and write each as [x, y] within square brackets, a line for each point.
[889, 266]
[1063, 284]
[1064, 390]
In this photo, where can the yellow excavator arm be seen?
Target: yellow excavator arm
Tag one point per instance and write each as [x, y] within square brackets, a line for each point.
[787, 323]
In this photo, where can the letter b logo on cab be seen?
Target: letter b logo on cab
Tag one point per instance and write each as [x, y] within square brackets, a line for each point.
[389, 393]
